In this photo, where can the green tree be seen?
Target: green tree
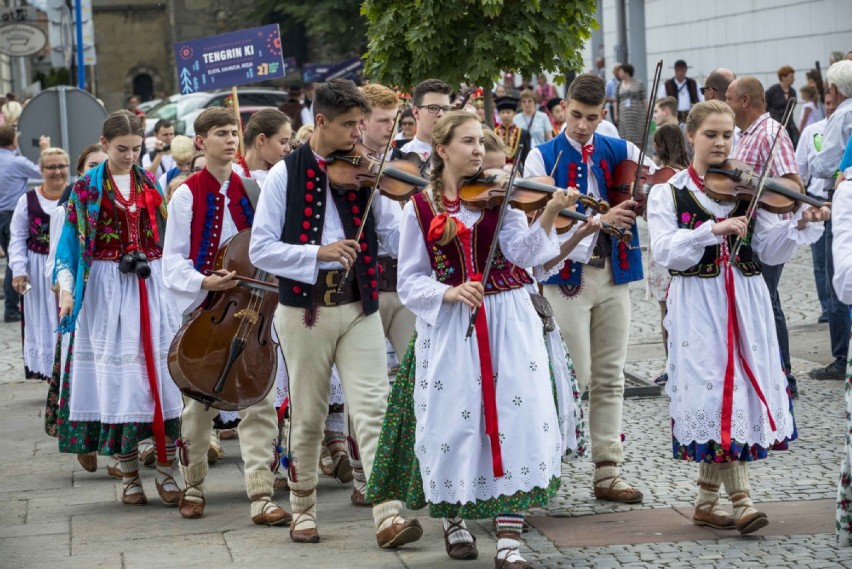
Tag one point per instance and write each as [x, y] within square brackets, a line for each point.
[471, 41]
[335, 26]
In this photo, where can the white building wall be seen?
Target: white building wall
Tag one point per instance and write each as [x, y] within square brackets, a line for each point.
[752, 37]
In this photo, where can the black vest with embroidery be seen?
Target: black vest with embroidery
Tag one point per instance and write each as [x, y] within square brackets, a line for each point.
[691, 215]
[304, 221]
[38, 238]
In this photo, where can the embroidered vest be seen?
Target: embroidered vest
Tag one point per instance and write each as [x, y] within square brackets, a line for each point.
[448, 260]
[304, 221]
[117, 229]
[38, 240]
[208, 208]
[691, 215]
[572, 171]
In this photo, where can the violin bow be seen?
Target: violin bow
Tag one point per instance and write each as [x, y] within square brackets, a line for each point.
[493, 250]
[658, 72]
[761, 182]
[368, 208]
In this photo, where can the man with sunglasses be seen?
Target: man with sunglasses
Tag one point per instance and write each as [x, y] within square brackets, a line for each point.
[16, 170]
[430, 101]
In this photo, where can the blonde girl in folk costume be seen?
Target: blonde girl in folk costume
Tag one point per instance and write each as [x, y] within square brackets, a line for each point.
[729, 399]
[29, 246]
[487, 437]
[116, 389]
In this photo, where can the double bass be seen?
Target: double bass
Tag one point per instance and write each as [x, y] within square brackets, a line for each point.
[224, 356]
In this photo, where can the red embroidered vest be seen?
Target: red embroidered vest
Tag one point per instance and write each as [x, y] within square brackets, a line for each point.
[118, 230]
[208, 207]
[448, 260]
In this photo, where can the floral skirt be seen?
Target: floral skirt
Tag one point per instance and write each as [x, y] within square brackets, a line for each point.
[396, 470]
[844, 486]
[713, 451]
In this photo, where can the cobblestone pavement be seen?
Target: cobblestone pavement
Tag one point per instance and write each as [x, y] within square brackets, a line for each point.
[53, 513]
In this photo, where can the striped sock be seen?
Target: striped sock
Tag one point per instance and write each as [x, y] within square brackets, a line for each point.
[509, 528]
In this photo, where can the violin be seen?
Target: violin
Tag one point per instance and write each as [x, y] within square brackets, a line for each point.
[488, 189]
[359, 167]
[224, 356]
[625, 176]
[568, 217]
[733, 180]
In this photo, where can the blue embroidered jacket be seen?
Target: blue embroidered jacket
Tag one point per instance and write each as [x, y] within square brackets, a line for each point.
[608, 152]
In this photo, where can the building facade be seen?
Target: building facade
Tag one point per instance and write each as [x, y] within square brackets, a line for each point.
[751, 37]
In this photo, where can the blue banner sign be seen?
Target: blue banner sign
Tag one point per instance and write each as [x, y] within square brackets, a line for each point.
[236, 58]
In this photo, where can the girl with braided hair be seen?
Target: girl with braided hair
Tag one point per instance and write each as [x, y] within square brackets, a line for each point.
[486, 441]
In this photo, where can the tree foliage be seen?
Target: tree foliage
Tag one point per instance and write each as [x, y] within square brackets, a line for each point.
[471, 41]
[335, 25]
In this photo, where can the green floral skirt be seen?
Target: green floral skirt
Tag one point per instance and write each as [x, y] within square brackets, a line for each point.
[396, 470]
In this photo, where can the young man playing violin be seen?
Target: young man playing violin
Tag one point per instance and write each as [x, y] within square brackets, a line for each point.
[397, 321]
[745, 96]
[303, 233]
[214, 205]
[589, 295]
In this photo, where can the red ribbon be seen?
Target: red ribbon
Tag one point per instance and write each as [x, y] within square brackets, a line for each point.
[158, 425]
[489, 390]
[150, 199]
[587, 152]
[733, 346]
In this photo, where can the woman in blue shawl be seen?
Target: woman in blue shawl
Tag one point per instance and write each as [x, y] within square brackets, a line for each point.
[115, 388]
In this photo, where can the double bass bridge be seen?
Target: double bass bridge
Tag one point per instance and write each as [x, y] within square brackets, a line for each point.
[248, 314]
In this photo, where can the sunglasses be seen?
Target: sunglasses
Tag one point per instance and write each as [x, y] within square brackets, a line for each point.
[705, 89]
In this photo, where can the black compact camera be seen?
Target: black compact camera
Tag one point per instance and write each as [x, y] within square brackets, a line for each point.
[135, 262]
[167, 147]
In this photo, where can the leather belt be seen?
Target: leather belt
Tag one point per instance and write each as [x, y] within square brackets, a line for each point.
[601, 252]
[388, 270]
[325, 289]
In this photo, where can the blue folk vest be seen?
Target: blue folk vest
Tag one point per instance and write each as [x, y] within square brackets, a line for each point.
[626, 262]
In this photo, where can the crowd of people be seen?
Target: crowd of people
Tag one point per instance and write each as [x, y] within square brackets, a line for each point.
[109, 266]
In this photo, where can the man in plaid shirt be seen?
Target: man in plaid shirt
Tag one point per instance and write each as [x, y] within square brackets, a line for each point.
[746, 97]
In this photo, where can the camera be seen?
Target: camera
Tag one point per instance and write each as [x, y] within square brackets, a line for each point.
[167, 147]
[135, 262]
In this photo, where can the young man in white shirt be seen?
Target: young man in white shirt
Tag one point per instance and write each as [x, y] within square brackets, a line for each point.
[159, 161]
[429, 102]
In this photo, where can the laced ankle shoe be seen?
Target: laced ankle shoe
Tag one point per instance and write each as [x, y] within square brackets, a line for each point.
[748, 519]
[266, 512]
[398, 531]
[834, 370]
[191, 505]
[133, 494]
[167, 488]
[458, 541]
[303, 528]
[609, 485]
